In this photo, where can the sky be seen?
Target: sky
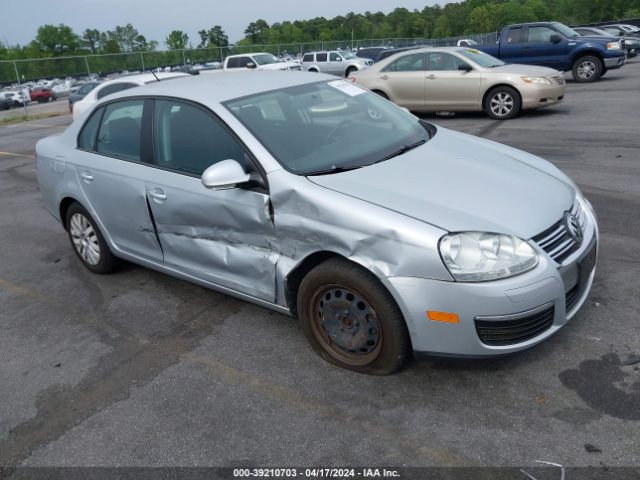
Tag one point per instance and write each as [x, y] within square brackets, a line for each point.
[156, 18]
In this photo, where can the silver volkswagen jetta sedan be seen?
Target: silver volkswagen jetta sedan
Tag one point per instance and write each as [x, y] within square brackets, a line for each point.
[310, 195]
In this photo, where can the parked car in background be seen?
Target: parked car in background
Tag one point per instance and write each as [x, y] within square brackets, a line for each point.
[313, 197]
[554, 45]
[621, 30]
[258, 61]
[5, 102]
[392, 51]
[370, 53]
[42, 94]
[630, 44]
[16, 99]
[466, 42]
[117, 85]
[462, 79]
[334, 62]
[80, 93]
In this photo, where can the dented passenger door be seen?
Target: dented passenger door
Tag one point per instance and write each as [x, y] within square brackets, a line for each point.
[222, 236]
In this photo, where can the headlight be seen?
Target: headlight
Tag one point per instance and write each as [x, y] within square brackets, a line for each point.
[614, 46]
[537, 80]
[479, 256]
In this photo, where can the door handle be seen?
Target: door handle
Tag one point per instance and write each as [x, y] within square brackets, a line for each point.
[157, 194]
[384, 77]
[86, 176]
[430, 77]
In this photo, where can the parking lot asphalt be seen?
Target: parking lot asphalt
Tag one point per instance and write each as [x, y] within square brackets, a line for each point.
[137, 368]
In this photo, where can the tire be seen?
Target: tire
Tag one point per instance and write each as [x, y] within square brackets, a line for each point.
[349, 71]
[371, 327]
[85, 243]
[313, 70]
[42, 100]
[382, 94]
[604, 72]
[587, 69]
[502, 103]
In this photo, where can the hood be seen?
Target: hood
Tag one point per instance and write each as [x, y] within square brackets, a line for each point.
[458, 182]
[519, 69]
[596, 39]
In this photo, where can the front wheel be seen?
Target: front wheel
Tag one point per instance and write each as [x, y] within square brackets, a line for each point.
[88, 242]
[502, 103]
[351, 320]
[349, 71]
[587, 69]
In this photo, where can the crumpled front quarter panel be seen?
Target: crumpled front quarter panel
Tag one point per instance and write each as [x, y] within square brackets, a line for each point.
[310, 218]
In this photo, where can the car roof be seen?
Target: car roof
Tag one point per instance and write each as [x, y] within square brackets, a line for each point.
[221, 86]
[143, 78]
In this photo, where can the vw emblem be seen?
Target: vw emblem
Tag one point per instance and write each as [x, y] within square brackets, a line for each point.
[573, 227]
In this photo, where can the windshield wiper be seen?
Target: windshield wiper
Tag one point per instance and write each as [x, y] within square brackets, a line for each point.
[402, 150]
[332, 169]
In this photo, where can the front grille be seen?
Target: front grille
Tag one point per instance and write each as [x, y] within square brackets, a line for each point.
[510, 332]
[559, 79]
[557, 241]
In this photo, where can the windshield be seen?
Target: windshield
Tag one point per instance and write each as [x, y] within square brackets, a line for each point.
[327, 127]
[629, 28]
[564, 30]
[483, 59]
[265, 59]
[348, 55]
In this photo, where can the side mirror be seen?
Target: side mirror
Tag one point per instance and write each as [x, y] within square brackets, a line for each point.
[224, 175]
[464, 68]
[555, 38]
[251, 65]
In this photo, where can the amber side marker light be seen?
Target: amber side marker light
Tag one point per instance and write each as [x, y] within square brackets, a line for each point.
[444, 317]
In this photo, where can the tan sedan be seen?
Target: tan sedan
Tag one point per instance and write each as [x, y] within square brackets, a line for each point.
[461, 79]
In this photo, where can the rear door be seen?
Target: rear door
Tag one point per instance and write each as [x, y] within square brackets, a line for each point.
[512, 44]
[404, 81]
[111, 173]
[447, 86]
[225, 237]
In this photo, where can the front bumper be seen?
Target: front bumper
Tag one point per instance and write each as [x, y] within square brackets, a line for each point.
[546, 290]
[615, 62]
[536, 96]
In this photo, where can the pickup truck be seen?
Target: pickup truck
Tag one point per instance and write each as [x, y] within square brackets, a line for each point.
[554, 45]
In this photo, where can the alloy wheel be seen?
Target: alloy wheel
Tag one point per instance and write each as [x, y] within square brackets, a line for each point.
[501, 104]
[84, 239]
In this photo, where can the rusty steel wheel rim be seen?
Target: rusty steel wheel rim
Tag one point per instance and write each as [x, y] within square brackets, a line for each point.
[346, 325]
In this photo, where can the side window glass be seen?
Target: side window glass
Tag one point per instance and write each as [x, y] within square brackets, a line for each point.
[439, 61]
[515, 35]
[188, 139]
[244, 61]
[408, 63]
[87, 137]
[321, 57]
[308, 57]
[539, 34]
[119, 134]
[335, 57]
[232, 63]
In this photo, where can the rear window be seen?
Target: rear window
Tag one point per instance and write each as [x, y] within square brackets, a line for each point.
[113, 88]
